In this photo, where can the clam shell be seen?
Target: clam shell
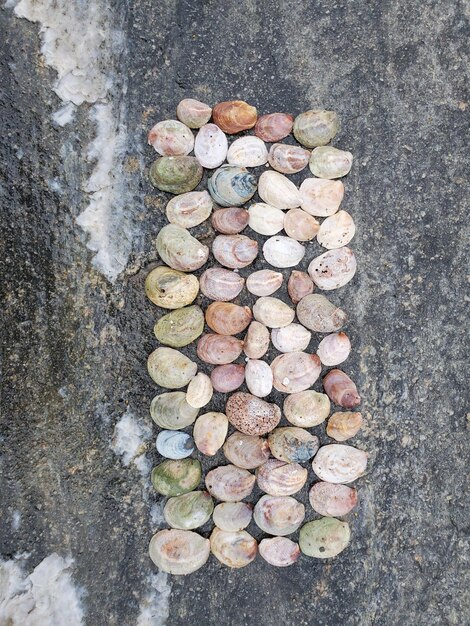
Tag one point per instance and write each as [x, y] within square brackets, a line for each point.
[226, 318]
[292, 444]
[175, 477]
[324, 538]
[291, 338]
[317, 313]
[332, 500]
[278, 515]
[272, 312]
[265, 219]
[316, 127]
[278, 478]
[274, 126]
[179, 249]
[307, 408]
[179, 552]
[229, 483]
[246, 451]
[180, 327]
[279, 551]
[220, 284]
[340, 389]
[334, 349]
[211, 146]
[234, 251]
[251, 415]
[193, 113]
[338, 463]
[231, 185]
[188, 511]
[233, 549]
[280, 251]
[288, 159]
[171, 138]
[256, 341]
[218, 349]
[230, 221]
[209, 432]
[336, 231]
[343, 426]
[177, 174]
[248, 151]
[300, 226]
[169, 288]
[189, 209]
[232, 516]
[295, 371]
[170, 410]
[170, 368]
[258, 378]
[264, 282]
[321, 197]
[327, 162]
[173, 444]
[278, 191]
[226, 378]
[234, 116]
[333, 269]
[299, 285]
[199, 392]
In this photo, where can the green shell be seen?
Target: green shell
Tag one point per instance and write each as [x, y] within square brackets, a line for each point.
[180, 327]
[171, 411]
[177, 174]
[324, 538]
[189, 511]
[327, 162]
[170, 368]
[170, 288]
[173, 478]
[315, 128]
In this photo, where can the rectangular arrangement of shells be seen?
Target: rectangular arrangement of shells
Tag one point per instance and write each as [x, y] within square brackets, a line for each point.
[280, 457]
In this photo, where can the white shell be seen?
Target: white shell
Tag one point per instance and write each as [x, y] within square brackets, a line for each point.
[278, 515]
[256, 340]
[336, 231]
[295, 371]
[338, 463]
[272, 312]
[264, 282]
[307, 408]
[291, 338]
[173, 444]
[280, 251]
[334, 349]
[189, 209]
[328, 162]
[247, 151]
[321, 197]
[333, 269]
[232, 516]
[211, 146]
[258, 378]
[209, 432]
[178, 551]
[265, 219]
[279, 551]
[233, 549]
[276, 189]
[199, 391]
[171, 138]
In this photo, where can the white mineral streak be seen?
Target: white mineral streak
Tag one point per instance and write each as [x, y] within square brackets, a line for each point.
[129, 442]
[154, 609]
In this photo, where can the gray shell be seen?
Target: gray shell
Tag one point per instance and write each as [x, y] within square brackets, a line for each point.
[173, 444]
[231, 185]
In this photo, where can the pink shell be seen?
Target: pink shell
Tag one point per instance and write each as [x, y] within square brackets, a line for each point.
[274, 126]
[218, 349]
[234, 251]
[332, 499]
[226, 378]
[230, 221]
[340, 389]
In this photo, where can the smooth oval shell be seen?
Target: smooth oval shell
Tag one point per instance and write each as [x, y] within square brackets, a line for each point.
[252, 415]
[292, 444]
[169, 288]
[300, 226]
[211, 146]
[327, 162]
[246, 451]
[288, 159]
[180, 327]
[333, 269]
[232, 516]
[170, 368]
[256, 340]
[248, 151]
[226, 378]
[324, 538]
[338, 463]
[280, 251]
[321, 197]
[171, 411]
[233, 549]
[274, 126]
[264, 282]
[232, 185]
[265, 219]
[179, 249]
[343, 426]
[188, 511]
[336, 231]
[193, 113]
[278, 191]
[220, 284]
[230, 221]
[234, 116]
[173, 444]
[226, 318]
[209, 432]
[299, 285]
[332, 500]
[234, 251]
[295, 371]
[291, 338]
[279, 478]
[278, 515]
[316, 127]
[189, 209]
[258, 378]
[218, 349]
[279, 551]
[178, 552]
[171, 138]
[272, 312]
[307, 408]
[317, 313]
[199, 391]
[340, 389]
[175, 477]
[230, 483]
[178, 174]
[334, 349]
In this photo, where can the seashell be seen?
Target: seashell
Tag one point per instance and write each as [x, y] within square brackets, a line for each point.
[173, 444]
[170, 368]
[280, 251]
[232, 516]
[336, 231]
[169, 288]
[327, 162]
[279, 478]
[231, 185]
[179, 249]
[218, 349]
[334, 349]
[179, 552]
[332, 500]
[338, 463]
[210, 147]
[265, 219]
[278, 191]
[209, 432]
[189, 209]
[317, 313]
[234, 116]
[199, 392]
[291, 338]
[251, 415]
[288, 159]
[300, 226]
[340, 389]
[230, 221]
[324, 538]
[180, 327]
[171, 138]
[177, 174]
[264, 282]
[295, 371]
[188, 511]
[321, 197]
[220, 284]
[299, 285]
[278, 515]
[272, 312]
[175, 477]
[233, 549]
[234, 251]
[226, 378]
[229, 483]
[306, 408]
[246, 451]
[343, 426]
[193, 113]
[226, 318]
[170, 410]
[279, 551]
[333, 269]
[248, 151]
[258, 378]
[274, 126]
[315, 128]
[256, 341]
[292, 444]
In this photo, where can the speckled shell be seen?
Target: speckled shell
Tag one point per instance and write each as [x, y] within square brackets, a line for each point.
[189, 209]
[231, 185]
[193, 113]
[170, 410]
[295, 371]
[179, 249]
[280, 251]
[307, 408]
[171, 138]
[209, 432]
[226, 318]
[189, 510]
[334, 349]
[265, 219]
[264, 282]
[178, 552]
[343, 426]
[336, 231]
[333, 269]
[258, 378]
[256, 340]
[274, 126]
[288, 159]
[199, 392]
[279, 478]
[246, 451]
[180, 327]
[272, 312]
[232, 516]
[230, 221]
[169, 288]
[291, 338]
[338, 463]
[332, 500]
[317, 313]
[173, 444]
[247, 151]
[278, 191]
[218, 349]
[211, 146]
[227, 378]
[299, 285]
[324, 538]
[234, 116]
[279, 551]
[316, 127]
[321, 197]
[233, 549]
[292, 444]
[278, 515]
[234, 251]
[251, 415]
[169, 368]
[220, 284]
[340, 389]
[327, 162]
[175, 174]
[230, 483]
[300, 226]
[173, 478]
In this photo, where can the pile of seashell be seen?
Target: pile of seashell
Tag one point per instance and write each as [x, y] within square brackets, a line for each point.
[233, 338]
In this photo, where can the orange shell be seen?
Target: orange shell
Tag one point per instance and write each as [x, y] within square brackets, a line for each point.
[234, 116]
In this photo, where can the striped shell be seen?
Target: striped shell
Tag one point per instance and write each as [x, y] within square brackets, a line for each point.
[334, 349]
[332, 500]
[274, 126]
[234, 251]
[175, 477]
[316, 127]
[179, 552]
[218, 349]
[231, 185]
[189, 510]
[173, 444]
[230, 221]
[338, 463]
[178, 174]
[327, 162]
[246, 451]
[229, 483]
[279, 478]
[221, 284]
[288, 159]
[264, 282]
[180, 327]
[248, 151]
[226, 318]
[189, 209]
[295, 371]
[170, 410]
[291, 338]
